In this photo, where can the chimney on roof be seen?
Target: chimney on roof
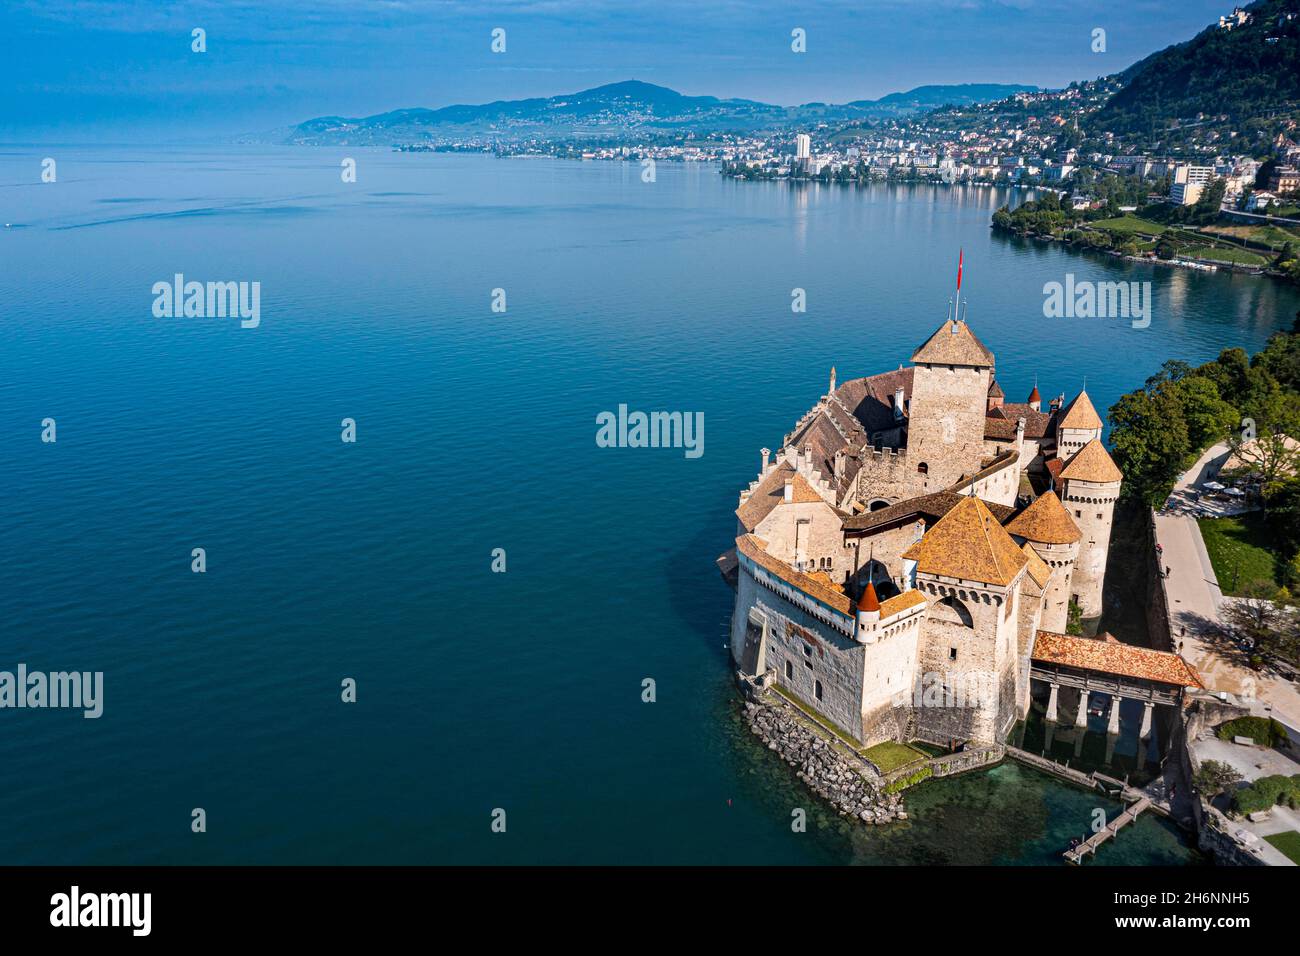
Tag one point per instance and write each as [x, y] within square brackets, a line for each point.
[767, 455]
[839, 464]
[789, 490]
[831, 390]
[898, 403]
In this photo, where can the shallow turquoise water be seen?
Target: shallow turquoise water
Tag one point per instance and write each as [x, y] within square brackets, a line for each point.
[476, 431]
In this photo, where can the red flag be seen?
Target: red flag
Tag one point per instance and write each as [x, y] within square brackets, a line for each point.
[960, 255]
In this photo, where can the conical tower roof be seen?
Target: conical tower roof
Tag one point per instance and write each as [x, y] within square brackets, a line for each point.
[1045, 521]
[1080, 414]
[968, 543]
[869, 601]
[1092, 463]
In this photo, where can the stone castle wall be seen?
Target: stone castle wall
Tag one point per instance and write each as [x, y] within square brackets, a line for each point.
[983, 668]
[1092, 507]
[945, 430]
[887, 475]
[1061, 559]
[815, 652]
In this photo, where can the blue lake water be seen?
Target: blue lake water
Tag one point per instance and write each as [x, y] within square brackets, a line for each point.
[475, 431]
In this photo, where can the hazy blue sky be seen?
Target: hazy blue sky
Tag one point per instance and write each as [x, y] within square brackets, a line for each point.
[74, 68]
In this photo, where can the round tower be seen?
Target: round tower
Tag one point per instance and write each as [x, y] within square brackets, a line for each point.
[868, 615]
[1054, 536]
[1090, 486]
[1078, 425]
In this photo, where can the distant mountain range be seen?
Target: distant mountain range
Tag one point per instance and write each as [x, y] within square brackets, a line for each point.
[1248, 71]
[620, 108]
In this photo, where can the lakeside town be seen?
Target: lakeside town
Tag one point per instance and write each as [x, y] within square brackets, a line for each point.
[1219, 201]
[1205, 190]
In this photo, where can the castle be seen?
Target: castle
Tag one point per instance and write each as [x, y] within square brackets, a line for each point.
[911, 539]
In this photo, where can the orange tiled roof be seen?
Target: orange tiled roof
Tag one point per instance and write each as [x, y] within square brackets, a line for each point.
[953, 344]
[1080, 414]
[1045, 521]
[802, 492]
[869, 601]
[1111, 657]
[1038, 569]
[900, 602]
[815, 586]
[968, 543]
[769, 493]
[755, 549]
[1092, 463]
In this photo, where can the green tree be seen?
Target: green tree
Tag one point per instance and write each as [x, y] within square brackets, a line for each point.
[1173, 370]
[1214, 777]
[1267, 623]
[1206, 209]
[1209, 418]
[1265, 445]
[1149, 442]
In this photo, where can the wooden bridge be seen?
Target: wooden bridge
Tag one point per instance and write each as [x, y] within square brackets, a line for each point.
[1089, 846]
[1137, 801]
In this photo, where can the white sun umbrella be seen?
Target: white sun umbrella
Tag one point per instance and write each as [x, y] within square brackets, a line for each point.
[1212, 486]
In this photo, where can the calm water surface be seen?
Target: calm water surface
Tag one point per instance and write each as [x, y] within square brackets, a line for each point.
[475, 431]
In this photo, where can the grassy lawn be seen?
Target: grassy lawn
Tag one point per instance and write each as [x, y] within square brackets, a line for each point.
[1130, 225]
[1288, 843]
[1238, 549]
[890, 755]
[1270, 235]
[1223, 254]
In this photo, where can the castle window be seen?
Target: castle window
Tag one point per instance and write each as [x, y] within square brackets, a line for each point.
[1078, 514]
[817, 689]
[807, 651]
[1098, 515]
[952, 653]
[789, 670]
[922, 469]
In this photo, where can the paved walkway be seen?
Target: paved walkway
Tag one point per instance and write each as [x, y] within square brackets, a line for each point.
[1186, 497]
[1195, 600]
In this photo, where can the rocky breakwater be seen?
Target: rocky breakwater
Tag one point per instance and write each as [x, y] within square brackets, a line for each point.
[825, 771]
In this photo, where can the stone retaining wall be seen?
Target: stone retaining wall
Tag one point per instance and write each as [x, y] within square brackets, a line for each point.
[849, 784]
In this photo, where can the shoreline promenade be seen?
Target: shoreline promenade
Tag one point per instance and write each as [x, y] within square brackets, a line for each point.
[1195, 601]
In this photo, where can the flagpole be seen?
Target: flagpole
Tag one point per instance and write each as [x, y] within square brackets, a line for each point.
[957, 311]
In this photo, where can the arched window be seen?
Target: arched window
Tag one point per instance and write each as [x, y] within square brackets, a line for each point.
[922, 469]
[878, 504]
[959, 609]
